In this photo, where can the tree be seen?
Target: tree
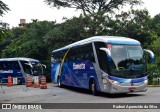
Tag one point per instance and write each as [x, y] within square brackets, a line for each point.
[3, 8]
[92, 6]
[27, 41]
[155, 25]
[3, 26]
[133, 24]
[65, 33]
[153, 68]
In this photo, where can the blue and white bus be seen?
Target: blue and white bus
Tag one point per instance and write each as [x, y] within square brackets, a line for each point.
[19, 68]
[102, 64]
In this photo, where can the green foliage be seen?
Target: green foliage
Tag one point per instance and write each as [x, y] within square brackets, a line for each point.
[154, 71]
[155, 25]
[5, 36]
[66, 33]
[133, 24]
[4, 32]
[154, 68]
[3, 8]
[39, 38]
[28, 41]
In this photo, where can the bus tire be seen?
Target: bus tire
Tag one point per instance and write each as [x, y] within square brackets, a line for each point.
[59, 82]
[93, 88]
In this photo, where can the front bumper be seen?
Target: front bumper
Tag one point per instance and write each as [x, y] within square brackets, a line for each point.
[127, 88]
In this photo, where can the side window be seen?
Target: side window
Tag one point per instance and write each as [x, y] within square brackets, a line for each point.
[1, 65]
[6, 65]
[71, 56]
[88, 52]
[102, 56]
[58, 56]
[16, 65]
[84, 52]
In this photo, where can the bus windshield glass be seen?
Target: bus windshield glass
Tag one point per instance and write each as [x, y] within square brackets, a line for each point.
[37, 68]
[127, 61]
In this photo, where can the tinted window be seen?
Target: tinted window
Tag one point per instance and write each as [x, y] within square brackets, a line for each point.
[6, 65]
[9, 65]
[102, 56]
[16, 65]
[58, 56]
[26, 67]
[128, 61]
[84, 52]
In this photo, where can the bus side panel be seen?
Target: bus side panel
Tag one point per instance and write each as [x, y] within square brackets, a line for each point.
[10, 71]
[78, 74]
[13, 73]
[55, 71]
[4, 75]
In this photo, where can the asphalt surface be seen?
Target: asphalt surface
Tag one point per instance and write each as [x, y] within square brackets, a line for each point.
[22, 94]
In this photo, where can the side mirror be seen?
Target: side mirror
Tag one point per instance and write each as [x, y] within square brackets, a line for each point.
[44, 66]
[107, 51]
[29, 64]
[151, 54]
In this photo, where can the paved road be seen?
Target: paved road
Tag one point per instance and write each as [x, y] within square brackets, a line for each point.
[54, 94]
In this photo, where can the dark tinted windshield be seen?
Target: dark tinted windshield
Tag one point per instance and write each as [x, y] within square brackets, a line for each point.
[26, 67]
[37, 68]
[127, 61]
[33, 68]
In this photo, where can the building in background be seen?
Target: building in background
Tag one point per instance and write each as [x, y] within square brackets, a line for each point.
[22, 22]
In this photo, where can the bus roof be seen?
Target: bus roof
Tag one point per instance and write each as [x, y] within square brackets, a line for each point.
[107, 39]
[18, 58]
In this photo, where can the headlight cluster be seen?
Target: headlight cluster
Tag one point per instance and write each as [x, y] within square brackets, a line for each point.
[114, 82]
[145, 81]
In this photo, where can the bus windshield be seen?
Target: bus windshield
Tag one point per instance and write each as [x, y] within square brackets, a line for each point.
[127, 61]
[34, 67]
[37, 68]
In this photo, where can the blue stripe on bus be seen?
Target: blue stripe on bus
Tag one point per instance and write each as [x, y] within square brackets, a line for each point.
[123, 80]
[75, 73]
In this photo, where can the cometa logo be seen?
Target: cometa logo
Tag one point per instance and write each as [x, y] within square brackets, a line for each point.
[78, 66]
[6, 71]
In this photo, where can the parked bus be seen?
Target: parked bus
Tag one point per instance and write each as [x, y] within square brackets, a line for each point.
[102, 64]
[19, 68]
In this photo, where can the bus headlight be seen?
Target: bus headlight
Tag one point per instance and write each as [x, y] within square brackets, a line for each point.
[145, 81]
[114, 82]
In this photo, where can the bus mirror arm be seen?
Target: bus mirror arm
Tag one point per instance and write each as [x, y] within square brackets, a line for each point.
[44, 66]
[107, 51]
[151, 54]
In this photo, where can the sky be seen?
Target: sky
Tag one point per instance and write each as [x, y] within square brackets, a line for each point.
[37, 9]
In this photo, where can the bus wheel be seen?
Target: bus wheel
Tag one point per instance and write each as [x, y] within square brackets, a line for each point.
[59, 82]
[93, 88]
